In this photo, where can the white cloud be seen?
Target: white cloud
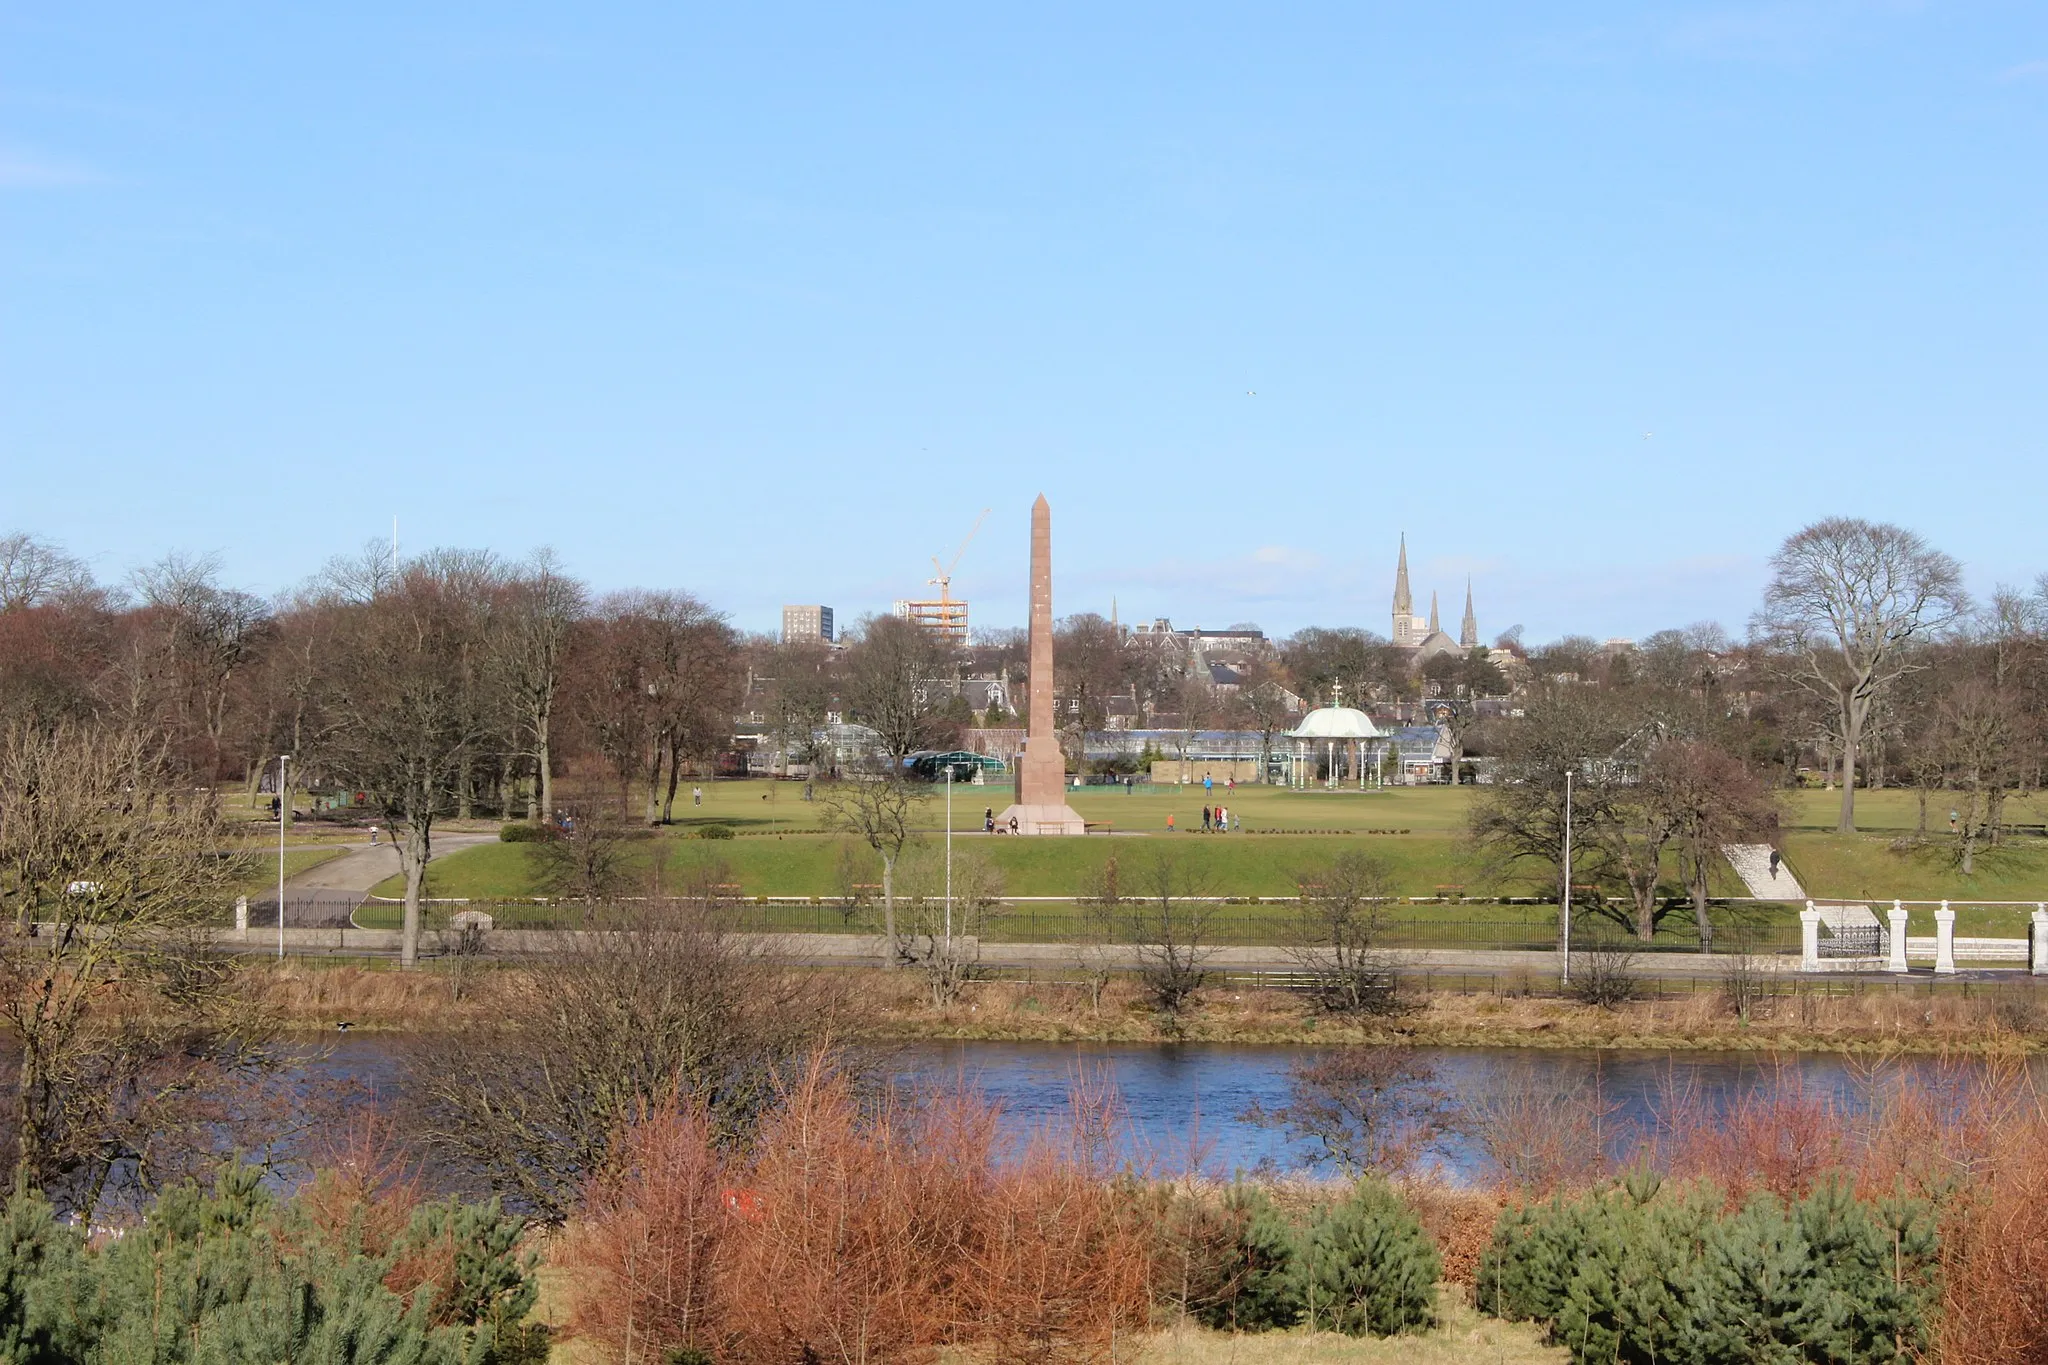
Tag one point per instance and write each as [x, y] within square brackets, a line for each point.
[2026, 71]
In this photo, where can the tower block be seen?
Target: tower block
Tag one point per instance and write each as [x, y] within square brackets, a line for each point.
[1041, 806]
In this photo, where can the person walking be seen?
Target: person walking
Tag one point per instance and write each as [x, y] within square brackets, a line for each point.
[1208, 784]
[988, 820]
[1205, 820]
[1169, 822]
[696, 796]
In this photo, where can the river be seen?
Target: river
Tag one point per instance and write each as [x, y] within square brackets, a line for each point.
[1192, 1098]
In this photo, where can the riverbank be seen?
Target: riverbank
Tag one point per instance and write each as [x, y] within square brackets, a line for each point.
[894, 1006]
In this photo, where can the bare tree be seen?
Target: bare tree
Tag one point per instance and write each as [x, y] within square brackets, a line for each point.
[879, 811]
[1708, 798]
[942, 940]
[401, 713]
[1339, 930]
[34, 573]
[886, 682]
[203, 633]
[584, 854]
[1100, 915]
[541, 607]
[658, 1002]
[1170, 914]
[119, 1019]
[1845, 597]
[1367, 1109]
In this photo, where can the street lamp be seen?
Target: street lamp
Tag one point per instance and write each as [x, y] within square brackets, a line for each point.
[1564, 903]
[949, 861]
[284, 811]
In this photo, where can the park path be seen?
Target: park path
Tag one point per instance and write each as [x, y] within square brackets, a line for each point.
[328, 895]
[1752, 863]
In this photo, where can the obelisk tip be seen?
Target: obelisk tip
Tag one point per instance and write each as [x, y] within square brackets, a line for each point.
[1041, 504]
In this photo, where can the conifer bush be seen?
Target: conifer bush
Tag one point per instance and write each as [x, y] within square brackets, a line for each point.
[1637, 1273]
[1366, 1267]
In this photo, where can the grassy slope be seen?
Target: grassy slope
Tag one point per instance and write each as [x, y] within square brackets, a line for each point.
[787, 855]
[258, 873]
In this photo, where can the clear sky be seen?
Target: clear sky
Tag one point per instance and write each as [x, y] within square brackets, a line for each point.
[1598, 302]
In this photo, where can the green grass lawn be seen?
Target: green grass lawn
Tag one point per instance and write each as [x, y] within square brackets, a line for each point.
[257, 870]
[783, 852]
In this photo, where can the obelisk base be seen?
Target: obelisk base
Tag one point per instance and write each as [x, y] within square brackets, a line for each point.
[1061, 819]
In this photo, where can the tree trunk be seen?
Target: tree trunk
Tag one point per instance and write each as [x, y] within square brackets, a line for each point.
[544, 759]
[465, 782]
[413, 853]
[1700, 918]
[654, 784]
[675, 773]
[1853, 715]
[889, 908]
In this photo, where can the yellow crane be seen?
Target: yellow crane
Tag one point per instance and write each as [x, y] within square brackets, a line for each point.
[946, 616]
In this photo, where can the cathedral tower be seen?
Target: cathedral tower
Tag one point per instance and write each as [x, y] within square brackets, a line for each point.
[1468, 633]
[1404, 601]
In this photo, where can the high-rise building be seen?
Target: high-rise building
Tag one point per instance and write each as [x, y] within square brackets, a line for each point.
[803, 625]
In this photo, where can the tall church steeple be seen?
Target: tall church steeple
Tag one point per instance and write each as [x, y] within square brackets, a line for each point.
[1433, 627]
[1404, 601]
[1468, 633]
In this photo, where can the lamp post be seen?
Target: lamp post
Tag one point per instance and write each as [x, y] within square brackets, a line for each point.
[1564, 901]
[284, 811]
[949, 861]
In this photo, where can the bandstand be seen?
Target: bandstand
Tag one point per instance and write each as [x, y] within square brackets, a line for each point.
[1345, 736]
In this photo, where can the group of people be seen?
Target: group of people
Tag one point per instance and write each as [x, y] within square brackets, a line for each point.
[1217, 820]
[989, 825]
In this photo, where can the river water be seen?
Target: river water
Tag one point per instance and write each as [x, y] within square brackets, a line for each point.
[1189, 1100]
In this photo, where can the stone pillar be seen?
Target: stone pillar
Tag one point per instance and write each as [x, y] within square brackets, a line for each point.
[1898, 918]
[1041, 777]
[1809, 939]
[2037, 943]
[1944, 941]
[241, 917]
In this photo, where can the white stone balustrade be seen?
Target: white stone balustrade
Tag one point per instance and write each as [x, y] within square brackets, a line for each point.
[1944, 941]
[1898, 954]
[1809, 939]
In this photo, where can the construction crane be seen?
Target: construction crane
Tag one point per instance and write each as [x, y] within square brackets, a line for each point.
[945, 616]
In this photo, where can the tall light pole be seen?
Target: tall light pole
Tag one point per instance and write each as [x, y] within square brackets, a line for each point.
[1564, 902]
[284, 811]
[949, 861]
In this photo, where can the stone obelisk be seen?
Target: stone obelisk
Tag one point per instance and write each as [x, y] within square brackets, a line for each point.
[1042, 769]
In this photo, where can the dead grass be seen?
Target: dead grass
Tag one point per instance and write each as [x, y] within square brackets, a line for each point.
[1462, 1338]
[1991, 1019]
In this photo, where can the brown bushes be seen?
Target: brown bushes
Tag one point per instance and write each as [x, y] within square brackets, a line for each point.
[854, 1236]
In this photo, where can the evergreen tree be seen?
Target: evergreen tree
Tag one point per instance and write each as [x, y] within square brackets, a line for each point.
[1367, 1267]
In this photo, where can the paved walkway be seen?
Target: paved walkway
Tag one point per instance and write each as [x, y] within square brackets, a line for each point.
[326, 896]
[1752, 863]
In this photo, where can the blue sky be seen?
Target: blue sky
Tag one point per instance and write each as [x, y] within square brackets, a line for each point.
[1597, 302]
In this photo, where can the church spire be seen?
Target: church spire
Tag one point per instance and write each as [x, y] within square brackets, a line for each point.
[1433, 627]
[1468, 633]
[1404, 602]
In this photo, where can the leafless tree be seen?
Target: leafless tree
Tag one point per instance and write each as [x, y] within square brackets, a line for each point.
[402, 719]
[941, 940]
[584, 853]
[880, 810]
[541, 607]
[1367, 1109]
[201, 634]
[886, 682]
[1707, 798]
[1101, 916]
[659, 1002]
[1339, 936]
[1845, 598]
[1171, 907]
[119, 1018]
[34, 573]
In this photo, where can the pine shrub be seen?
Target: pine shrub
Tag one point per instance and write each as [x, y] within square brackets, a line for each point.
[1366, 1267]
[1639, 1274]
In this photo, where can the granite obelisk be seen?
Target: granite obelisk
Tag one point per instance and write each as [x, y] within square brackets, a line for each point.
[1042, 769]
